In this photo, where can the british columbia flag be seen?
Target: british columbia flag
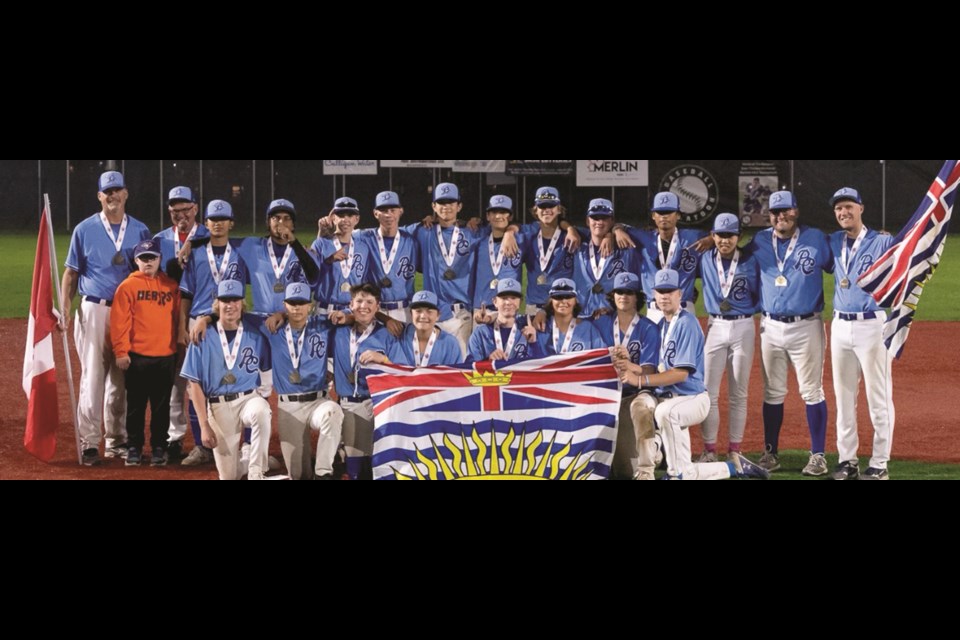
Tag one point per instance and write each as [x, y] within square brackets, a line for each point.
[553, 418]
[897, 278]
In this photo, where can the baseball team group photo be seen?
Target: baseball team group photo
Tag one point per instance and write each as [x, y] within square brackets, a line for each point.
[479, 319]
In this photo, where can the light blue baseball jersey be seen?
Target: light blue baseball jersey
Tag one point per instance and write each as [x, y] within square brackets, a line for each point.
[329, 289]
[313, 357]
[621, 260]
[92, 252]
[854, 299]
[483, 286]
[168, 247]
[256, 254]
[559, 266]
[803, 271]
[744, 296]
[684, 350]
[403, 271]
[643, 344]
[684, 260]
[482, 343]
[197, 282]
[379, 340]
[205, 363]
[446, 350]
[433, 267]
[585, 337]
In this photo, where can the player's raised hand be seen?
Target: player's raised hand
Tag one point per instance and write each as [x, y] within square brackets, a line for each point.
[530, 333]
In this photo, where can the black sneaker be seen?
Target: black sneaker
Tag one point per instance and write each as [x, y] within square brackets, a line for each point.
[133, 457]
[873, 473]
[328, 476]
[159, 458]
[90, 458]
[848, 470]
[175, 451]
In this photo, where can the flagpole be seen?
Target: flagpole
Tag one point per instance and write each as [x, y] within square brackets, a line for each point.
[63, 334]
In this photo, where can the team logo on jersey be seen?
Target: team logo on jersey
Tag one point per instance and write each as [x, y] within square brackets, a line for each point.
[865, 263]
[318, 347]
[688, 261]
[696, 189]
[406, 269]
[805, 262]
[249, 362]
[520, 350]
[515, 261]
[616, 269]
[634, 350]
[577, 346]
[740, 291]
[463, 246]
[357, 266]
[567, 260]
[295, 274]
[670, 353]
[233, 272]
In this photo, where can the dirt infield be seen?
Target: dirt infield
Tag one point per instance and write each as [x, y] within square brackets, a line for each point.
[925, 392]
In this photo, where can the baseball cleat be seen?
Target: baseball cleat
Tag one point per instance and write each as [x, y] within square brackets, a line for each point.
[848, 470]
[816, 466]
[872, 473]
[747, 469]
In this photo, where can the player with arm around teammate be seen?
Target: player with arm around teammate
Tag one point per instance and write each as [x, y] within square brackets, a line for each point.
[423, 343]
[566, 331]
[504, 339]
[857, 348]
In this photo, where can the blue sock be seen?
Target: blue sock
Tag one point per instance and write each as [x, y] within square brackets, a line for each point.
[246, 435]
[733, 470]
[354, 466]
[195, 426]
[817, 422]
[772, 421]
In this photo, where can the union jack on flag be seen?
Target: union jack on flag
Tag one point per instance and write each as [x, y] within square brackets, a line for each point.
[897, 278]
[553, 418]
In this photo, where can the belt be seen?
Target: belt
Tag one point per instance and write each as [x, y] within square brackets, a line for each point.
[789, 319]
[355, 399]
[850, 317]
[394, 306]
[99, 301]
[743, 317]
[331, 308]
[230, 397]
[454, 307]
[306, 397]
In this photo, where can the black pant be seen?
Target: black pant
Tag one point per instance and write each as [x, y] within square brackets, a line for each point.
[149, 379]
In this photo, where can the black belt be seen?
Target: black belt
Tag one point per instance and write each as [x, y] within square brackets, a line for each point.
[789, 319]
[230, 397]
[355, 399]
[850, 317]
[394, 306]
[100, 301]
[307, 397]
[743, 317]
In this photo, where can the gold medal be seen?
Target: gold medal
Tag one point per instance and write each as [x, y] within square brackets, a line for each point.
[542, 280]
[662, 368]
[598, 288]
[119, 259]
[781, 281]
[278, 287]
[229, 379]
[352, 377]
[844, 284]
[449, 274]
[386, 283]
[295, 377]
[345, 287]
[493, 284]
[725, 306]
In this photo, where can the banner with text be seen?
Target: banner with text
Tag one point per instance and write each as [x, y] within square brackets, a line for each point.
[417, 164]
[539, 167]
[349, 167]
[479, 166]
[613, 173]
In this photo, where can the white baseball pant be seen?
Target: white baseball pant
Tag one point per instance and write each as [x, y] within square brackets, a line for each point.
[800, 344]
[674, 416]
[357, 428]
[102, 386]
[228, 420]
[295, 421]
[729, 347]
[635, 430]
[179, 416]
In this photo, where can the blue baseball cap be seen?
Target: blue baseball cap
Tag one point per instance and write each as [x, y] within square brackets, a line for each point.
[726, 223]
[666, 201]
[547, 197]
[600, 208]
[180, 194]
[508, 286]
[219, 210]
[387, 200]
[667, 280]
[297, 292]
[847, 193]
[425, 299]
[111, 180]
[281, 205]
[230, 290]
[446, 191]
[346, 204]
[782, 200]
[563, 288]
[626, 281]
[500, 203]
[147, 247]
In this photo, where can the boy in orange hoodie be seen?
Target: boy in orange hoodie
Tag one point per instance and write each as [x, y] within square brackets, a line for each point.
[143, 328]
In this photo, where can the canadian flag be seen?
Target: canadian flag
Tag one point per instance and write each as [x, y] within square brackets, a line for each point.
[39, 372]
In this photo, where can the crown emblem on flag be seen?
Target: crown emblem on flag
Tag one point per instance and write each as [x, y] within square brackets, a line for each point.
[488, 379]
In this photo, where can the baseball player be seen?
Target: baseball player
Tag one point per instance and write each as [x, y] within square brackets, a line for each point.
[101, 251]
[566, 330]
[491, 265]
[856, 341]
[229, 376]
[731, 293]
[666, 248]
[143, 327]
[549, 257]
[345, 260]
[423, 344]
[792, 259]
[300, 351]
[683, 396]
[633, 338]
[504, 338]
[393, 252]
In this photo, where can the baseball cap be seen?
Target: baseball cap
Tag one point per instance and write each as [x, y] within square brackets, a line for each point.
[563, 288]
[782, 200]
[547, 197]
[111, 180]
[847, 193]
[180, 194]
[726, 223]
[346, 204]
[500, 203]
[297, 292]
[666, 201]
[425, 299]
[626, 281]
[667, 280]
[446, 191]
[147, 248]
[278, 206]
[387, 200]
[219, 210]
[600, 208]
[230, 290]
[508, 286]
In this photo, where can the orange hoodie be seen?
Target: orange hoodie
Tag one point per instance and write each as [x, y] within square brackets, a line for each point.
[145, 316]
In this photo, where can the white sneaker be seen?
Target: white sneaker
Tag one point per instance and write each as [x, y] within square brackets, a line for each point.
[196, 457]
[817, 466]
[707, 456]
